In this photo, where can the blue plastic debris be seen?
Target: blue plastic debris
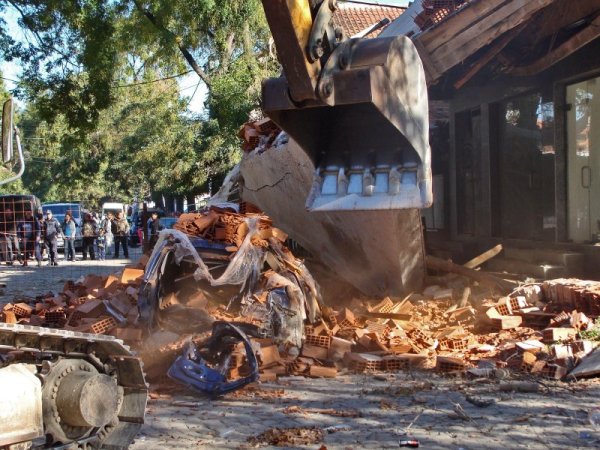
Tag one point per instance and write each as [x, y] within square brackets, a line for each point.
[192, 370]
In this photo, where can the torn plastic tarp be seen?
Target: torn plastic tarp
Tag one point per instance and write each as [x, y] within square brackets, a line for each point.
[239, 269]
[290, 291]
[192, 370]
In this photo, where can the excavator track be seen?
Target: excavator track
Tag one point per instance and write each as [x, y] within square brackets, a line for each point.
[93, 391]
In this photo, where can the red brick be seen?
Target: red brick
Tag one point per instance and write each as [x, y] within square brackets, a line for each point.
[322, 371]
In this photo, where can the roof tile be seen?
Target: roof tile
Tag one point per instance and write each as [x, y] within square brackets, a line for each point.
[355, 17]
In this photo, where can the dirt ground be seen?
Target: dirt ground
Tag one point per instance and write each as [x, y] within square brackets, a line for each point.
[356, 411]
[381, 410]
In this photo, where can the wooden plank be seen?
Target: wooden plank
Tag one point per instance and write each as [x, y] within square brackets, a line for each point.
[467, 16]
[489, 55]
[484, 32]
[582, 38]
[431, 72]
[485, 256]
[464, 299]
[482, 277]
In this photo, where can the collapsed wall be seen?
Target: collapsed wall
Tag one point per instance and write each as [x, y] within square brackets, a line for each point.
[378, 252]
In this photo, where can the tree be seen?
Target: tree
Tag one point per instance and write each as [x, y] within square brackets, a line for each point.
[84, 60]
[142, 143]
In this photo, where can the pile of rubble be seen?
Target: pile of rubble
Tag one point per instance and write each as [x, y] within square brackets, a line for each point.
[258, 134]
[220, 224]
[222, 266]
[93, 304]
[527, 332]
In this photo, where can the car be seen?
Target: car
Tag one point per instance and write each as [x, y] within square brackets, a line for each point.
[59, 209]
[168, 222]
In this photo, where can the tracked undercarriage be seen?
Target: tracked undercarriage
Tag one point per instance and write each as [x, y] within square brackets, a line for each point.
[65, 389]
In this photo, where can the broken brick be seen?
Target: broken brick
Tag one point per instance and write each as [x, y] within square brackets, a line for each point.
[130, 275]
[103, 326]
[321, 371]
[507, 322]
[446, 364]
[550, 335]
[312, 351]
[22, 310]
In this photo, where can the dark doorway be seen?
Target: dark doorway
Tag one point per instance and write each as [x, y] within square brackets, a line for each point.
[523, 180]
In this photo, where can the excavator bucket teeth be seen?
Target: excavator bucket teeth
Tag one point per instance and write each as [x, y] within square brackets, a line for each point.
[368, 135]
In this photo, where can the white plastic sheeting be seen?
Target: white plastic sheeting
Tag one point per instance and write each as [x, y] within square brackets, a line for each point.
[247, 258]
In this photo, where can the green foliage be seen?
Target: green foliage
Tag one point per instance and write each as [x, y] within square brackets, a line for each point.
[67, 39]
[94, 131]
[593, 334]
[143, 143]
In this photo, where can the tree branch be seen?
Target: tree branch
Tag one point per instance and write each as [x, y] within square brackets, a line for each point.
[228, 52]
[178, 40]
[37, 36]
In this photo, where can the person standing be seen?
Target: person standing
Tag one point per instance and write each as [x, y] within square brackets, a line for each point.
[39, 221]
[8, 237]
[121, 232]
[107, 224]
[101, 244]
[155, 227]
[28, 231]
[89, 233]
[52, 230]
[69, 230]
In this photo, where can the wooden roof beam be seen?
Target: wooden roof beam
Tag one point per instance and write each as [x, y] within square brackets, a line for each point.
[584, 37]
[496, 48]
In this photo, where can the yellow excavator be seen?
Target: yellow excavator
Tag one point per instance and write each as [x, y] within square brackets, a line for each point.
[357, 107]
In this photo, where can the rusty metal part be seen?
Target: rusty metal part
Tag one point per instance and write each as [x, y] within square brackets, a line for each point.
[93, 390]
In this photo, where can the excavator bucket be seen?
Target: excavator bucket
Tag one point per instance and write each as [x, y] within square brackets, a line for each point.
[366, 130]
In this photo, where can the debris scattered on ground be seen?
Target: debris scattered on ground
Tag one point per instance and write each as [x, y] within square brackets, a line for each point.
[286, 437]
[92, 304]
[221, 265]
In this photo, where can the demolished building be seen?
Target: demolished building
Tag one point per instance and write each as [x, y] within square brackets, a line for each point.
[518, 165]
[513, 87]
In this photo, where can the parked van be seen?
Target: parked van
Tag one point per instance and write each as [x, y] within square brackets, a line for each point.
[113, 207]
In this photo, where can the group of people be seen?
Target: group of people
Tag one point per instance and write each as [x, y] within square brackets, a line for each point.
[33, 234]
[97, 236]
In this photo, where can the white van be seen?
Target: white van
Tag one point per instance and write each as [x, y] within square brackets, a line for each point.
[114, 208]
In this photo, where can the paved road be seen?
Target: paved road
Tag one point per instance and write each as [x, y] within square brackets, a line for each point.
[32, 280]
[422, 405]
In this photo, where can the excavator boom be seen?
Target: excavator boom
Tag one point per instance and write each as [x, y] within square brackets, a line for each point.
[357, 107]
